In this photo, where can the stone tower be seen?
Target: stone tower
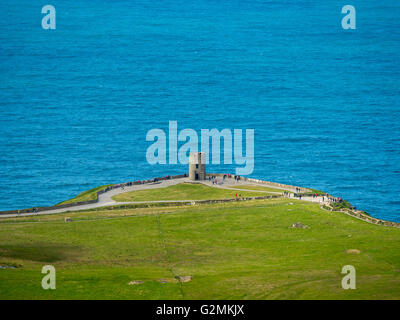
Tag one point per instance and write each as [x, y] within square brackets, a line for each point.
[197, 166]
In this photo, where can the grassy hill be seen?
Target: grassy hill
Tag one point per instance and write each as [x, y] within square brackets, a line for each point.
[243, 250]
[86, 195]
[184, 191]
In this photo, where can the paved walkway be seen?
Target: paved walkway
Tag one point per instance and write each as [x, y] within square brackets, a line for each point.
[105, 199]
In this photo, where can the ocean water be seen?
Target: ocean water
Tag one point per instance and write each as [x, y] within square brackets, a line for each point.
[76, 102]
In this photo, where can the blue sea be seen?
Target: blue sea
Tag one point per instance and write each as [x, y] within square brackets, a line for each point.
[77, 102]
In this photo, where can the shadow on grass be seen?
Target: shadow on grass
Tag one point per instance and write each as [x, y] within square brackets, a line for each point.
[39, 253]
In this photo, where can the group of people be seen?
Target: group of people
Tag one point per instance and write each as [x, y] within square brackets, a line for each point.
[335, 199]
[213, 179]
[328, 198]
[324, 197]
[228, 175]
[34, 210]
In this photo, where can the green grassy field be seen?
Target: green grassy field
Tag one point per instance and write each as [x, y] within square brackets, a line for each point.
[184, 191]
[259, 188]
[241, 250]
[86, 195]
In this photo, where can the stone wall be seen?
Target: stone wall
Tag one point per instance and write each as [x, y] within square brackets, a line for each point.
[363, 216]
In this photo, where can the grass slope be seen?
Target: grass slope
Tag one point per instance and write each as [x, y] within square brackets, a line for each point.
[243, 250]
[86, 195]
[183, 191]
